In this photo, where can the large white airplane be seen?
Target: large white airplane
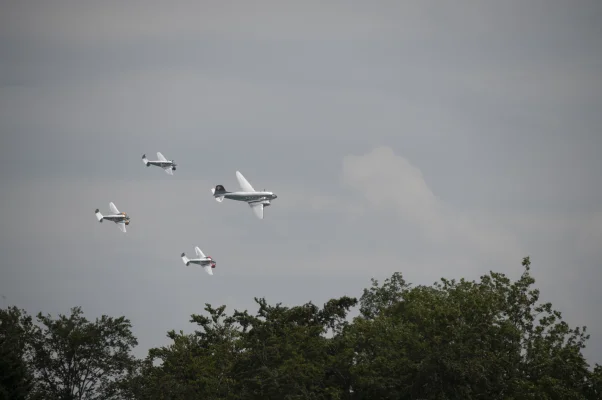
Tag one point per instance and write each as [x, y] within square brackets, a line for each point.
[204, 261]
[120, 218]
[167, 165]
[256, 200]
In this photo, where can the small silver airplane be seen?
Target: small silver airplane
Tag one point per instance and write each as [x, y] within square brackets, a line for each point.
[204, 261]
[168, 165]
[256, 200]
[120, 218]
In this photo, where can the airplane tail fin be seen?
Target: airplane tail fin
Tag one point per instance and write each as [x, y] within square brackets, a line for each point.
[185, 259]
[98, 215]
[145, 160]
[217, 191]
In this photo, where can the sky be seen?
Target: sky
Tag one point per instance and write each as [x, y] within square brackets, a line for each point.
[436, 139]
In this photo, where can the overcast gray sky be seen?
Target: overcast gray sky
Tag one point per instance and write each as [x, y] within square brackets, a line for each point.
[432, 138]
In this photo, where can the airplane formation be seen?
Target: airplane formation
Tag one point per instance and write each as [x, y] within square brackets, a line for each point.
[257, 201]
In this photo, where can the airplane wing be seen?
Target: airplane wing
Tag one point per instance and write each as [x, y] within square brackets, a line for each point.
[257, 209]
[244, 184]
[207, 269]
[114, 209]
[160, 156]
[168, 170]
[199, 252]
[121, 226]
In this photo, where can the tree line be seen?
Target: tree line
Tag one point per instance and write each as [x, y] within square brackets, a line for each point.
[485, 339]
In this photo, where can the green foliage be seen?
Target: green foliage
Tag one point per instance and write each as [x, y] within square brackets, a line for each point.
[280, 353]
[594, 389]
[379, 298]
[74, 358]
[485, 339]
[286, 353]
[467, 340]
[15, 376]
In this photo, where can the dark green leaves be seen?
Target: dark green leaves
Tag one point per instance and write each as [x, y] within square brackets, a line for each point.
[15, 377]
[74, 358]
[485, 339]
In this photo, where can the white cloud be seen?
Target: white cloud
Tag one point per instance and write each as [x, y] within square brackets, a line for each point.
[313, 200]
[386, 179]
[564, 246]
[391, 183]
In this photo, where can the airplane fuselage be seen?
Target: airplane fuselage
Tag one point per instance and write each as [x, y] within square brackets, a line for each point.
[202, 261]
[247, 196]
[161, 164]
[116, 218]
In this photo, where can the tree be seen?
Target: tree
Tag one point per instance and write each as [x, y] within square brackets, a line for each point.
[466, 340]
[486, 339]
[197, 365]
[74, 358]
[15, 376]
[286, 354]
[279, 353]
[379, 298]
[595, 383]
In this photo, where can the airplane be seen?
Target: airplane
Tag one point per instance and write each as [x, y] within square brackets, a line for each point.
[120, 218]
[204, 261]
[256, 200]
[168, 166]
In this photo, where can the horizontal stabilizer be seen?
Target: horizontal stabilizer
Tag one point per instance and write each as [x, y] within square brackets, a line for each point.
[145, 160]
[185, 259]
[98, 215]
